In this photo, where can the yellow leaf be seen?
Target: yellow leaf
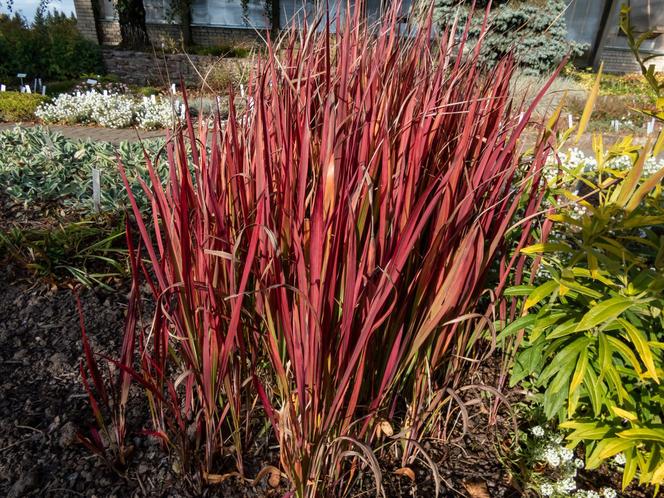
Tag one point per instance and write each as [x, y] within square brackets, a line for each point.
[590, 103]
[632, 179]
[556, 115]
[644, 190]
[641, 344]
[619, 412]
[659, 145]
[580, 371]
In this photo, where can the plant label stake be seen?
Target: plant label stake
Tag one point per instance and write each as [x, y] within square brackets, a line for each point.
[27, 89]
[153, 98]
[650, 127]
[173, 91]
[92, 82]
[96, 189]
[21, 76]
[3, 88]
[105, 93]
[570, 121]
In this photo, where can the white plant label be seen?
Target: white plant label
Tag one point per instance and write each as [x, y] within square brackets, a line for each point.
[173, 91]
[27, 89]
[96, 189]
[3, 88]
[21, 75]
[570, 121]
[90, 81]
[153, 98]
[44, 90]
[650, 127]
[105, 93]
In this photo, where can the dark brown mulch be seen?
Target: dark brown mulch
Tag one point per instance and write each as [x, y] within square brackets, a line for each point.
[43, 405]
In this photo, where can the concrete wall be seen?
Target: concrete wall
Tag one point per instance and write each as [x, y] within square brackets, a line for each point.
[85, 19]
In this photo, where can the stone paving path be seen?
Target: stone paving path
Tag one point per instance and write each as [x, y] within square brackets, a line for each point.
[94, 133]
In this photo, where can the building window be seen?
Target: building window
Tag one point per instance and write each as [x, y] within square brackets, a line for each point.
[229, 13]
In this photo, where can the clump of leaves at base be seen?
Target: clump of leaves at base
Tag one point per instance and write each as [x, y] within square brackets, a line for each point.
[593, 343]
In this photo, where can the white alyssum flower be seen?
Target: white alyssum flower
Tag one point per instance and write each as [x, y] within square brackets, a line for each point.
[547, 489]
[586, 494]
[551, 456]
[620, 459]
[566, 454]
[537, 431]
[157, 113]
[566, 485]
[575, 159]
[108, 110]
[578, 463]
[609, 493]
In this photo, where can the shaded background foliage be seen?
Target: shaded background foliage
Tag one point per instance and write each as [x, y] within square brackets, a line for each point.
[51, 47]
[534, 32]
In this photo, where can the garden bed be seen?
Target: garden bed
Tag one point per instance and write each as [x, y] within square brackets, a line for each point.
[43, 405]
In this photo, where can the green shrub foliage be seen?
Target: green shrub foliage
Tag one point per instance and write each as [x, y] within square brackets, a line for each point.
[593, 344]
[534, 32]
[15, 106]
[50, 48]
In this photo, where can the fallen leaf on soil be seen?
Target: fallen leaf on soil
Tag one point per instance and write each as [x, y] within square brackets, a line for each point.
[477, 489]
[406, 471]
[218, 478]
[273, 480]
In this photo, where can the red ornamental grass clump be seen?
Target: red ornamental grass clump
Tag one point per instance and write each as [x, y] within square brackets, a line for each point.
[318, 261]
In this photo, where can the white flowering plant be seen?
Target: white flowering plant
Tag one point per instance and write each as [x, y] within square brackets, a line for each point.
[108, 110]
[552, 468]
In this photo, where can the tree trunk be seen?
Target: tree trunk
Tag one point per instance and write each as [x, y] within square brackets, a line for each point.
[275, 18]
[131, 17]
[185, 24]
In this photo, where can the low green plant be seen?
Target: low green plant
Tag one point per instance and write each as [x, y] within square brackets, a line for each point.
[88, 251]
[229, 51]
[15, 106]
[594, 314]
[40, 166]
[147, 91]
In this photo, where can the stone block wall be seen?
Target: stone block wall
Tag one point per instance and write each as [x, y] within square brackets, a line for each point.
[620, 60]
[202, 35]
[143, 68]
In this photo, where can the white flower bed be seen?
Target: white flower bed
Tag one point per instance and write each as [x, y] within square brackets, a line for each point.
[575, 160]
[111, 110]
[562, 466]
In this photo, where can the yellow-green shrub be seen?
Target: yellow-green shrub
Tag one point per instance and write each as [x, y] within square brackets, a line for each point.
[15, 106]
